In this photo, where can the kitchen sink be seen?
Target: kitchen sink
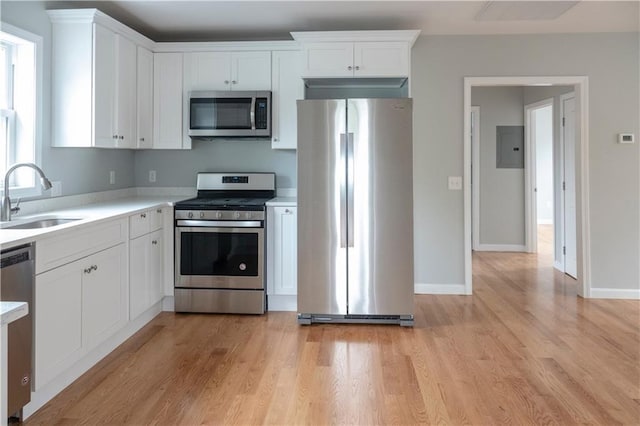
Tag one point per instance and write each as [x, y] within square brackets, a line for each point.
[39, 223]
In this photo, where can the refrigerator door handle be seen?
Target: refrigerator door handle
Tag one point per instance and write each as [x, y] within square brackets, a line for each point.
[350, 173]
[343, 193]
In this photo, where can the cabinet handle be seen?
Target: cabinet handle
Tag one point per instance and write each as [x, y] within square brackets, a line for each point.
[226, 82]
[115, 136]
[87, 270]
[357, 67]
[349, 67]
[143, 215]
[154, 242]
[141, 139]
[94, 267]
[234, 82]
[121, 137]
[159, 211]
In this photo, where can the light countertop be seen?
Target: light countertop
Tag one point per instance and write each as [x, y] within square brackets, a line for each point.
[11, 311]
[89, 214]
[282, 202]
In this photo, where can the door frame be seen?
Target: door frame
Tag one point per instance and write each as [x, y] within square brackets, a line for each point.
[475, 177]
[530, 176]
[581, 84]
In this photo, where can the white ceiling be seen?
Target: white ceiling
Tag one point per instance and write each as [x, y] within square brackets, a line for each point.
[217, 20]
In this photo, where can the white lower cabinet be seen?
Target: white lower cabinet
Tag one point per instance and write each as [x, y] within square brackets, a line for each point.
[145, 272]
[282, 255]
[77, 306]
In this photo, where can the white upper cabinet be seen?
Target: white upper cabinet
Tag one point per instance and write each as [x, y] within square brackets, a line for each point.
[167, 102]
[227, 71]
[144, 101]
[287, 87]
[94, 82]
[375, 54]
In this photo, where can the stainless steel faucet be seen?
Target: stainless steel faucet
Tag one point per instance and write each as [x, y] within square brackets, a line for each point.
[6, 210]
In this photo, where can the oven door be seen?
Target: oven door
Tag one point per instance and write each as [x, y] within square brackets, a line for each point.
[213, 256]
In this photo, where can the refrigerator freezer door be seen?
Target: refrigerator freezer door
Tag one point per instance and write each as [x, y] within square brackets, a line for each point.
[322, 239]
[380, 195]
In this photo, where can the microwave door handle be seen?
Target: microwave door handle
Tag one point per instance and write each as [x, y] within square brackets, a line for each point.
[252, 114]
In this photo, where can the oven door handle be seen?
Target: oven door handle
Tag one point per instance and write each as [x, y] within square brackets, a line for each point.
[220, 223]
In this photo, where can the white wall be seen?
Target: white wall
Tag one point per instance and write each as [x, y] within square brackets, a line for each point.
[610, 61]
[501, 190]
[544, 164]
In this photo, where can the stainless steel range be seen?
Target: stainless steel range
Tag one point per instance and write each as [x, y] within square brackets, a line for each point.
[220, 244]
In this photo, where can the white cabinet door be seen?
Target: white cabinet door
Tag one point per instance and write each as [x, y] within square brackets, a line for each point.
[144, 101]
[104, 83]
[167, 102]
[207, 71]
[58, 320]
[287, 87]
[251, 71]
[125, 92]
[138, 273]
[104, 295]
[285, 251]
[381, 59]
[328, 59]
[155, 267]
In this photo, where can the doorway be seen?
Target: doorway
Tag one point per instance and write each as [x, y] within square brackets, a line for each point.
[580, 101]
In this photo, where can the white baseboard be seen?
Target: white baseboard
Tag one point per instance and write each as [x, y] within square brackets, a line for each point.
[168, 304]
[283, 303]
[502, 247]
[453, 289]
[615, 293]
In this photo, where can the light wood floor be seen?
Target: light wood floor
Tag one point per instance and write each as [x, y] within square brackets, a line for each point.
[523, 350]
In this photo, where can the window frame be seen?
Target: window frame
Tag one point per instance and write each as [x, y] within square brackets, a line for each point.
[16, 37]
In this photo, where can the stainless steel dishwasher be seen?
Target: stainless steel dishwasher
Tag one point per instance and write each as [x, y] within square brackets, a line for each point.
[17, 281]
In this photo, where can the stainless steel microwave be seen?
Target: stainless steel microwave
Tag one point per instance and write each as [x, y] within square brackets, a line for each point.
[230, 113]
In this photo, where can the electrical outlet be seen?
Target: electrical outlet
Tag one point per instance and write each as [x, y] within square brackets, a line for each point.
[56, 188]
[455, 183]
[112, 177]
[152, 175]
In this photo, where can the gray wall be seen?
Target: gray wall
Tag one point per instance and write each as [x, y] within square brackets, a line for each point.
[501, 190]
[80, 170]
[610, 61]
[179, 168]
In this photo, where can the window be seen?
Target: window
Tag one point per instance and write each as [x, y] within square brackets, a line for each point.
[20, 92]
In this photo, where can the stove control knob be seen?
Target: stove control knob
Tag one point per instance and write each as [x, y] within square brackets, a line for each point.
[201, 215]
[237, 215]
[190, 215]
[219, 215]
[248, 215]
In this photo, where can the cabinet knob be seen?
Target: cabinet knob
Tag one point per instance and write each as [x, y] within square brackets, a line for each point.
[226, 82]
[94, 267]
[159, 211]
[154, 242]
[115, 136]
[275, 139]
[357, 67]
[141, 139]
[143, 215]
[287, 211]
[87, 270]
[234, 82]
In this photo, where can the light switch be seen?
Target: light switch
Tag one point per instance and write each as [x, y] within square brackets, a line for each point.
[112, 177]
[455, 183]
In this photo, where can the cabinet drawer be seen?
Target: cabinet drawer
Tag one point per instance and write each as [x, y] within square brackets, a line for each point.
[75, 244]
[139, 224]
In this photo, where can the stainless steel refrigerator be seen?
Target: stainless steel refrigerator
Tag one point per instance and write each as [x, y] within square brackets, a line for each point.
[355, 211]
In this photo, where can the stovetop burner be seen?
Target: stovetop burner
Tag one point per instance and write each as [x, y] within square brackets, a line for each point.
[222, 204]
